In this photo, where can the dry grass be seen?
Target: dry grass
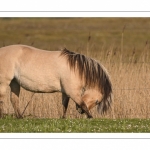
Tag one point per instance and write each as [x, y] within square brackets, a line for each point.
[128, 66]
[131, 86]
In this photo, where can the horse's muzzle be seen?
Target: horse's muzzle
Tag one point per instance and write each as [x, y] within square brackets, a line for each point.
[80, 110]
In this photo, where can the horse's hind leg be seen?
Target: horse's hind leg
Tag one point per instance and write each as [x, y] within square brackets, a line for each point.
[65, 100]
[3, 88]
[15, 91]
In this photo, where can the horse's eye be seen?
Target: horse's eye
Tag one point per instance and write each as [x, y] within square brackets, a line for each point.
[97, 102]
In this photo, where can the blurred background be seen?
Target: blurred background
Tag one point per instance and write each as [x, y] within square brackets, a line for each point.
[120, 44]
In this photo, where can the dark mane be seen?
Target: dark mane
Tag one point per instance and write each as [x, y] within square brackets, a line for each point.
[93, 74]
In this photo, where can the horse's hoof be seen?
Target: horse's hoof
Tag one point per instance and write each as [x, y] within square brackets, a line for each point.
[89, 117]
[62, 117]
[19, 117]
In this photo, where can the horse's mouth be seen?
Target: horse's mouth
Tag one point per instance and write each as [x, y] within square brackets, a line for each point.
[79, 109]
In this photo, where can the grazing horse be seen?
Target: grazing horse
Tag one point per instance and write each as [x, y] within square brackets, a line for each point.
[78, 77]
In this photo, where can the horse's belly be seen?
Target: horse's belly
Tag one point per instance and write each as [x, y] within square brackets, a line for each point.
[40, 86]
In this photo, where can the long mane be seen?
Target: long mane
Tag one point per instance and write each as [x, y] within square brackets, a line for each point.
[93, 74]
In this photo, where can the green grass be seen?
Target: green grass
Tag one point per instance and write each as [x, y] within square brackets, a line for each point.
[28, 125]
[52, 33]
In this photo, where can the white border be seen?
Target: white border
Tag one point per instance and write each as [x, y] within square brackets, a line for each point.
[74, 5]
[74, 14]
[73, 141]
[74, 8]
[84, 144]
[74, 136]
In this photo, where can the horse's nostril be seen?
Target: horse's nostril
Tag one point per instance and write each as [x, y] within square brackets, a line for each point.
[80, 110]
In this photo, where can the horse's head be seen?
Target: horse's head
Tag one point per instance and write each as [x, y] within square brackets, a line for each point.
[91, 98]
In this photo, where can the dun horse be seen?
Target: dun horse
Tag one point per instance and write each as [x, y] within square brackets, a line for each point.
[78, 77]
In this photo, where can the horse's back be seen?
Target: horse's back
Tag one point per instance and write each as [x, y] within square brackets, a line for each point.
[37, 70]
[33, 68]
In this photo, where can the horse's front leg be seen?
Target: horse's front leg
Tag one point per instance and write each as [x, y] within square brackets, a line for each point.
[65, 101]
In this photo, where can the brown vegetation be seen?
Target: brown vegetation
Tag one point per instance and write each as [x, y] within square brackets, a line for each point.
[121, 50]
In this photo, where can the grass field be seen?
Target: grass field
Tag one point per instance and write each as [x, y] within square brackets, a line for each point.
[120, 44]
[28, 125]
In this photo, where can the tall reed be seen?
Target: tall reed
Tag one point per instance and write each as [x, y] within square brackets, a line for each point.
[131, 87]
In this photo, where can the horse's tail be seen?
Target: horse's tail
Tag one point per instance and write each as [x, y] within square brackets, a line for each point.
[106, 101]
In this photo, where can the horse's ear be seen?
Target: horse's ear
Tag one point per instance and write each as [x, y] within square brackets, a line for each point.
[3, 43]
[32, 43]
[19, 42]
[61, 48]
